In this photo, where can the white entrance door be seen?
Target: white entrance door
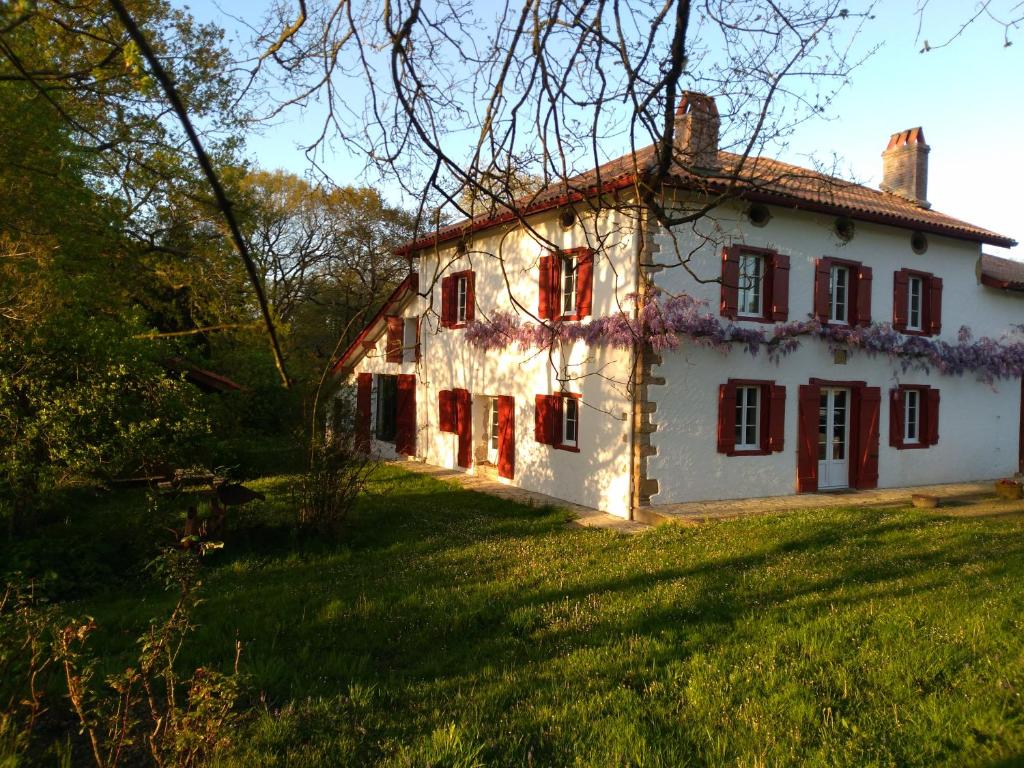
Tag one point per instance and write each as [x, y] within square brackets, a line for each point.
[492, 431]
[834, 438]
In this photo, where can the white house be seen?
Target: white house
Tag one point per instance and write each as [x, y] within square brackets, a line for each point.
[503, 352]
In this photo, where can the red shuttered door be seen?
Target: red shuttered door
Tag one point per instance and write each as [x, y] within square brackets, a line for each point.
[506, 436]
[464, 426]
[446, 410]
[363, 383]
[869, 406]
[405, 417]
[807, 437]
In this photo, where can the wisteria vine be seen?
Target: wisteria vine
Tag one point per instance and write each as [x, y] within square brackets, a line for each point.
[664, 324]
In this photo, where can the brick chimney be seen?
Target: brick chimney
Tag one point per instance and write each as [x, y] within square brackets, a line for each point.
[905, 166]
[697, 130]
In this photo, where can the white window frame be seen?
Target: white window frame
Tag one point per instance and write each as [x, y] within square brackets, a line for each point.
[493, 425]
[574, 420]
[750, 293]
[742, 420]
[567, 295]
[912, 323]
[833, 294]
[461, 298]
[911, 416]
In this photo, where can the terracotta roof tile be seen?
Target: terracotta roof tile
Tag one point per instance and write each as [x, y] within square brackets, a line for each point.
[998, 272]
[762, 179]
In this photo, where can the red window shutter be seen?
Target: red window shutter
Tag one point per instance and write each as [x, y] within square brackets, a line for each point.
[780, 286]
[930, 431]
[866, 445]
[727, 418]
[464, 426]
[934, 305]
[556, 419]
[776, 398]
[470, 295]
[506, 436]
[730, 282]
[418, 345]
[822, 276]
[896, 418]
[584, 284]
[364, 381]
[446, 301]
[393, 347]
[808, 402]
[899, 300]
[405, 417]
[544, 419]
[862, 305]
[446, 410]
[546, 308]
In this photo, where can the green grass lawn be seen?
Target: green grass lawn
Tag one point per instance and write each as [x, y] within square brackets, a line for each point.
[450, 628]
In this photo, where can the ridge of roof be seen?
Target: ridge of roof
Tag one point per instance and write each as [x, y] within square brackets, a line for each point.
[764, 180]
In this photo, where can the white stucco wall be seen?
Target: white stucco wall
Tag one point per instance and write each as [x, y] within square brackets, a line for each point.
[599, 474]
[978, 423]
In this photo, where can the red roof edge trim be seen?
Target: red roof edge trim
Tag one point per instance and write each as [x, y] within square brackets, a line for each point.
[441, 236]
[411, 282]
[1005, 285]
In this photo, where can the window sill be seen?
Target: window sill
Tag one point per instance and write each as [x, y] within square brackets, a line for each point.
[751, 452]
[755, 319]
[911, 332]
[570, 318]
[570, 448]
[911, 446]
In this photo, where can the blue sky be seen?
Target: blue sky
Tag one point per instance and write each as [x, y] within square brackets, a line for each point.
[968, 97]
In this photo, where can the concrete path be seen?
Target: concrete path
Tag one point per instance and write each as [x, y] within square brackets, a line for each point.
[957, 498]
[584, 516]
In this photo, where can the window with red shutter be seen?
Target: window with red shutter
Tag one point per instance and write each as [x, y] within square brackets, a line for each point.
[751, 417]
[917, 303]
[393, 345]
[754, 284]
[913, 416]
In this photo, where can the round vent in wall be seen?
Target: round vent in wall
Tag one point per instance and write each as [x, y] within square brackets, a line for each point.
[918, 242]
[461, 247]
[844, 229]
[567, 218]
[759, 215]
